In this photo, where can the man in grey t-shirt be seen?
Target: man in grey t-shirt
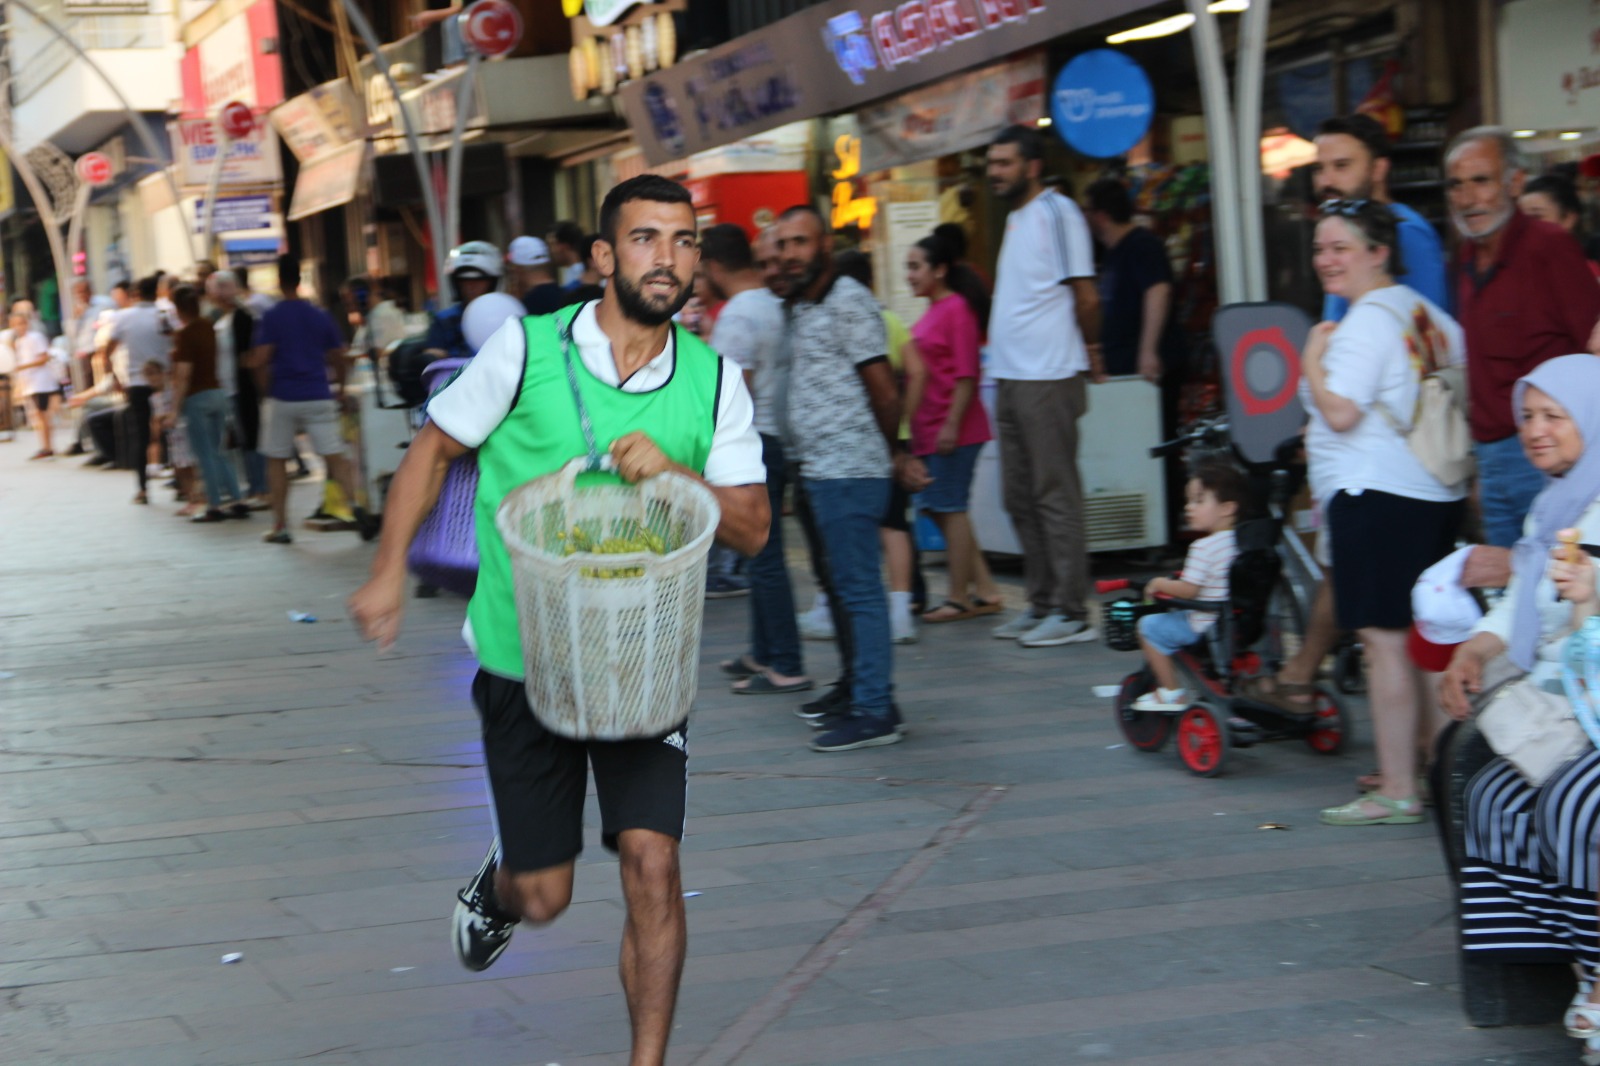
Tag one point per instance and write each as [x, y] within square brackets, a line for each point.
[843, 419]
[750, 333]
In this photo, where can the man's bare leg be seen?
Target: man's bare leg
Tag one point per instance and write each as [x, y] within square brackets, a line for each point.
[1322, 634]
[278, 490]
[654, 940]
[537, 897]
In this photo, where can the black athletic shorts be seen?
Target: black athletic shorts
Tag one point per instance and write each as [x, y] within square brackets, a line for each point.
[538, 780]
[41, 401]
[895, 516]
[1381, 544]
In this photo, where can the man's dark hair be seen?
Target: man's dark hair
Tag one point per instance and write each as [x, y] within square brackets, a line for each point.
[568, 233]
[727, 246]
[1558, 188]
[125, 286]
[803, 209]
[1364, 128]
[650, 187]
[585, 249]
[1227, 483]
[148, 287]
[288, 273]
[1110, 197]
[856, 264]
[954, 237]
[186, 300]
[1030, 145]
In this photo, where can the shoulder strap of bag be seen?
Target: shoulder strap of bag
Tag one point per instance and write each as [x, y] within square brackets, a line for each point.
[1389, 416]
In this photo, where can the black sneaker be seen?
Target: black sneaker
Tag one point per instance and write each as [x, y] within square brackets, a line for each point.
[367, 525]
[479, 928]
[857, 731]
[834, 701]
[837, 719]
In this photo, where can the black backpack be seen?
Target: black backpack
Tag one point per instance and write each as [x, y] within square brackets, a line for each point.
[406, 363]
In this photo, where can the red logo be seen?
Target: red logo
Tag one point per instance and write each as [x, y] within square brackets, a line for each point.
[93, 168]
[238, 121]
[492, 28]
[1273, 339]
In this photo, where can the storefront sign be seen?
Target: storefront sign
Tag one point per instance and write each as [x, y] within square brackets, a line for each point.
[1549, 54]
[86, 8]
[824, 61]
[848, 208]
[329, 182]
[320, 121]
[407, 60]
[627, 41]
[8, 197]
[251, 160]
[432, 108]
[237, 61]
[1102, 103]
[607, 12]
[960, 113]
[235, 213]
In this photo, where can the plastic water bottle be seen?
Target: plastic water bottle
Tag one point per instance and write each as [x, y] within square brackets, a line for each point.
[1580, 675]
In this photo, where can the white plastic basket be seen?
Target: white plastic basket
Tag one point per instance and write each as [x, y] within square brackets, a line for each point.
[618, 657]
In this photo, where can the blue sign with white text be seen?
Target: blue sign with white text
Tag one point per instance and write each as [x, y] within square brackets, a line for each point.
[1102, 104]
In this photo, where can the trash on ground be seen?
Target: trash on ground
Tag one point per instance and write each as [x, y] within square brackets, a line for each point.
[1114, 747]
[1107, 691]
[6, 675]
[301, 616]
[400, 969]
[691, 895]
[232, 957]
[1273, 825]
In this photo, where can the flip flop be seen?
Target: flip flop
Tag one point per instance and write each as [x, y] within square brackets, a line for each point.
[981, 606]
[961, 613]
[762, 685]
[740, 668]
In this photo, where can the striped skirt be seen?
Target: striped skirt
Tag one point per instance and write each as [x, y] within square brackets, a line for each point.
[1531, 876]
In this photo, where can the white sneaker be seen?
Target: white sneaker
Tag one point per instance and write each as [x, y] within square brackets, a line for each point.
[1021, 624]
[815, 624]
[902, 627]
[1056, 629]
[1162, 699]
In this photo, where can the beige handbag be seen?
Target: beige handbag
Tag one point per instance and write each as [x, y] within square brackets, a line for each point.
[1532, 729]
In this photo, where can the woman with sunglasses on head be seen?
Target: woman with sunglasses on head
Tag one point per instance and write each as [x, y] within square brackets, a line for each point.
[1386, 518]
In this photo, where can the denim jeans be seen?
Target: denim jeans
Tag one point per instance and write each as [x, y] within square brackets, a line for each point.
[774, 637]
[1507, 484]
[207, 415]
[847, 512]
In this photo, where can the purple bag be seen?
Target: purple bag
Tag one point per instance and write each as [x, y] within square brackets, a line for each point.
[445, 550]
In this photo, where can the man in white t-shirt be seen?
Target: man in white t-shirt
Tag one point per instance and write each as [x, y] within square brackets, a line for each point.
[750, 332]
[1043, 345]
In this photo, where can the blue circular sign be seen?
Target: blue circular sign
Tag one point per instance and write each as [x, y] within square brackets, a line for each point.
[1102, 103]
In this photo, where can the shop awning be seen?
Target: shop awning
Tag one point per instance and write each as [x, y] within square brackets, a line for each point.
[249, 251]
[823, 61]
[326, 182]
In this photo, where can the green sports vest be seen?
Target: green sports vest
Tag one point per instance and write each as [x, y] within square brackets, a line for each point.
[542, 433]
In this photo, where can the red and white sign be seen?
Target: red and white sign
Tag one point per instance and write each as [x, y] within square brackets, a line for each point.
[250, 160]
[238, 121]
[94, 168]
[492, 28]
[236, 61]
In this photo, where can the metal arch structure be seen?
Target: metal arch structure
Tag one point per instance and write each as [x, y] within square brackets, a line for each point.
[43, 200]
[55, 169]
[136, 120]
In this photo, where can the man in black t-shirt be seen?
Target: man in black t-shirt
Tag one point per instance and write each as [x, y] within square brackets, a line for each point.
[1138, 332]
[533, 276]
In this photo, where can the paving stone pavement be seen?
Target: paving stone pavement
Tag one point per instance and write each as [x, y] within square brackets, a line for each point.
[185, 773]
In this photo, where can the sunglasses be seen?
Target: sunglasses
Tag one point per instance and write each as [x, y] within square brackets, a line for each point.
[1346, 208]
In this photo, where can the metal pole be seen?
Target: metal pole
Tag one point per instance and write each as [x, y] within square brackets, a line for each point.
[1247, 121]
[135, 119]
[220, 138]
[1224, 160]
[452, 179]
[429, 201]
[80, 207]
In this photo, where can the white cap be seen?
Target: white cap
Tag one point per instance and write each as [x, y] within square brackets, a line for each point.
[1444, 611]
[527, 252]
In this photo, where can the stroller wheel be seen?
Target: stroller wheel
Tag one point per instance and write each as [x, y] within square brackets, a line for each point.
[1145, 730]
[1330, 726]
[1203, 740]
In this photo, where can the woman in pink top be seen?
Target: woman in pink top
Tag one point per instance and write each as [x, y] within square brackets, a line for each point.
[948, 423]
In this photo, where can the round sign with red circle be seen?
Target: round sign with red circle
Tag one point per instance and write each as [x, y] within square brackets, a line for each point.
[238, 121]
[1266, 370]
[93, 168]
[492, 28]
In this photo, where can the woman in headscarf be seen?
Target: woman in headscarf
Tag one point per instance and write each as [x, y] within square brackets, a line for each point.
[1529, 878]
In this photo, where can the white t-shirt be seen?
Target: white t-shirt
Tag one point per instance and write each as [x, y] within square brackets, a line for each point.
[8, 354]
[227, 358]
[1033, 328]
[749, 331]
[480, 397]
[28, 347]
[1373, 358]
[141, 335]
[1207, 566]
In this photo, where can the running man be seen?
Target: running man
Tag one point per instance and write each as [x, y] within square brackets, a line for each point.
[661, 400]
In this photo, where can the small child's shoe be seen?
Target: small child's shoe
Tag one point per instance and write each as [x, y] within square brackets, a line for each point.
[1162, 699]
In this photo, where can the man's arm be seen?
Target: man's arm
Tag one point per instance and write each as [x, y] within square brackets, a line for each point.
[1157, 299]
[884, 397]
[378, 606]
[1086, 306]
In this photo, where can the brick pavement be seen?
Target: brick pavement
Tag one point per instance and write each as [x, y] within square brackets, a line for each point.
[185, 773]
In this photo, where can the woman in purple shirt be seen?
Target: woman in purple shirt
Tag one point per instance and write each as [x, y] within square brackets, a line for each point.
[948, 423]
